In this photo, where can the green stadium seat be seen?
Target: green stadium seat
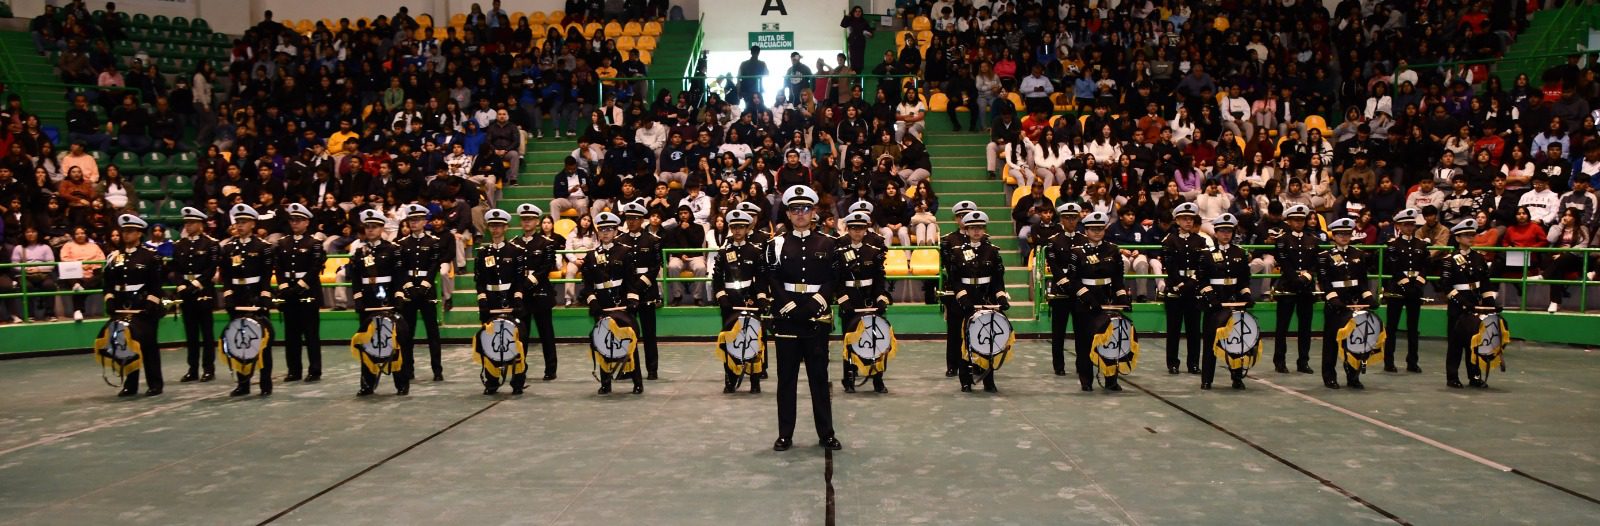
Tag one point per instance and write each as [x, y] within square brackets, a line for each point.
[180, 22]
[169, 210]
[180, 187]
[145, 207]
[161, 22]
[148, 186]
[129, 163]
[218, 38]
[199, 24]
[156, 163]
[141, 20]
[122, 15]
[182, 162]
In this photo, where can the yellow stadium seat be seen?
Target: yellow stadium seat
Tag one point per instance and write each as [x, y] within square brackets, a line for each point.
[674, 185]
[1278, 149]
[330, 24]
[425, 20]
[911, 191]
[1017, 195]
[644, 56]
[1081, 120]
[556, 274]
[1053, 192]
[624, 44]
[557, 16]
[652, 28]
[421, 33]
[896, 263]
[515, 16]
[1319, 123]
[566, 226]
[537, 17]
[612, 29]
[1005, 175]
[330, 270]
[1239, 140]
[1016, 100]
[571, 26]
[645, 43]
[900, 39]
[570, 212]
[632, 29]
[458, 19]
[924, 38]
[921, 23]
[1053, 119]
[938, 102]
[924, 262]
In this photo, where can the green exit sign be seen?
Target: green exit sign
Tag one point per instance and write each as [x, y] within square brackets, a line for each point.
[772, 39]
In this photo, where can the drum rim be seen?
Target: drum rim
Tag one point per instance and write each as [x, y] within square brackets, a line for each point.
[1248, 349]
[1129, 352]
[863, 319]
[266, 331]
[596, 330]
[967, 337]
[484, 331]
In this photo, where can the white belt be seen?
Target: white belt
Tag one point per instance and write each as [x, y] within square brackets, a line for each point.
[379, 279]
[418, 273]
[1411, 273]
[609, 284]
[130, 288]
[1224, 281]
[498, 287]
[803, 288]
[1463, 286]
[641, 270]
[976, 281]
[191, 277]
[737, 285]
[295, 275]
[247, 281]
[1096, 281]
[858, 283]
[1186, 273]
[1346, 284]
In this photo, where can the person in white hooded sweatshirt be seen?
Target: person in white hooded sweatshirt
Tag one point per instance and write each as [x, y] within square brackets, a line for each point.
[1542, 203]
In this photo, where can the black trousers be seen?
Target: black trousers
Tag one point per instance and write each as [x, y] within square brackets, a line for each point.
[1333, 318]
[953, 325]
[1208, 358]
[402, 377]
[302, 327]
[537, 314]
[1082, 345]
[1060, 313]
[199, 331]
[1183, 321]
[1457, 346]
[408, 334]
[972, 112]
[1413, 310]
[1298, 305]
[646, 316]
[144, 330]
[813, 352]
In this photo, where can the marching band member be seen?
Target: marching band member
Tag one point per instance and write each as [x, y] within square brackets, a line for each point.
[952, 322]
[1342, 276]
[1225, 271]
[607, 270]
[195, 259]
[646, 253]
[421, 254]
[800, 266]
[1406, 262]
[373, 271]
[1296, 253]
[133, 282]
[1058, 253]
[1095, 280]
[861, 286]
[498, 266]
[1182, 251]
[299, 261]
[538, 294]
[247, 265]
[738, 283]
[1466, 275]
[978, 276]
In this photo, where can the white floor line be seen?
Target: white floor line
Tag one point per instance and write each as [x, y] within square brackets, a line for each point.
[50, 439]
[1391, 427]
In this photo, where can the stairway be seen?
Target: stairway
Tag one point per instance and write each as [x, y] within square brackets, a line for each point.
[672, 54]
[1551, 32]
[34, 78]
[959, 175]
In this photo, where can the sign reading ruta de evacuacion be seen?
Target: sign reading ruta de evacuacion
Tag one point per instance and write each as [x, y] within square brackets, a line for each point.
[772, 39]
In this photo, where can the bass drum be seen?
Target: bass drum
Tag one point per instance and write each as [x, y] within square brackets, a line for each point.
[117, 349]
[1115, 344]
[988, 338]
[1237, 340]
[612, 343]
[243, 341]
[1361, 339]
[1488, 343]
[498, 348]
[378, 347]
[742, 346]
[870, 345]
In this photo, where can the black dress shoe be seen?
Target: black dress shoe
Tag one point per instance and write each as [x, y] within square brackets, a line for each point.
[1476, 383]
[128, 391]
[516, 390]
[990, 389]
[1331, 384]
[490, 390]
[755, 386]
[832, 443]
[365, 391]
[727, 388]
[782, 444]
[638, 389]
[1238, 384]
[153, 391]
[1194, 370]
[1284, 369]
[1453, 384]
[879, 388]
[242, 390]
[966, 388]
[189, 377]
[1113, 385]
[1413, 369]
[549, 376]
[949, 373]
[1060, 372]
[1390, 369]
[207, 376]
[1172, 369]
[651, 376]
[604, 389]
[313, 377]
[402, 391]
[1205, 386]
[1304, 369]
[1087, 388]
[438, 376]
[291, 377]
[1355, 384]
[266, 391]
[849, 386]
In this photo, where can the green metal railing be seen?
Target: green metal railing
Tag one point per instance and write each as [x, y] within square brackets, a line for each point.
[652, 80]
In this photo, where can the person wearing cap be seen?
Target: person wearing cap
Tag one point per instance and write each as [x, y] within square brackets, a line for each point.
[1181, 252]
[1406, 260]
[977, 277]
[1224, 275]
[761, 230]
[497, 267]
[1295, 289]
[196, 256]
[801, 268]
[133, 276]
[1095, 279]
[738, 283]
[297, 265]
[538, 294]
[421, 255]
[1342, 279]
[1058, 253]
[861, 286]
[952, 323]
[645, 254]
[246, 275]
[1465, 275]
[375, 274]
[608, 271]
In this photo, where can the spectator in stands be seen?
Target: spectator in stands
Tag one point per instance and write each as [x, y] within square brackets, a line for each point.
[32, 249]
[82, 249]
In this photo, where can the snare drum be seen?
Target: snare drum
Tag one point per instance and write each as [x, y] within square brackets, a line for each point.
[243, 342]
[742, 345]
[1237, 339]
[498, 348]
[612, 344]
[117, 349]
[1489, 342]
[870, 345]
[987, 338]
[378, 347]
[1361, 339]
[1115, 347]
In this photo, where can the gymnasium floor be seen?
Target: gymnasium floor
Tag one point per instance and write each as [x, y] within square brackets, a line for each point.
[1040, 452]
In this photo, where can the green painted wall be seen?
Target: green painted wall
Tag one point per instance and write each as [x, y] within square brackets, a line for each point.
[704, 322]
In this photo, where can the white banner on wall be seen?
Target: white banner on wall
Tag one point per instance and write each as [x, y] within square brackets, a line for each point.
[733, 25]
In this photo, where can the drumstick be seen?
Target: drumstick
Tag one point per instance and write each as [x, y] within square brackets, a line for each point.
[247, 309]
[1481, 308]
[377, 309]
[615, 309]
[501, 311]
[986, 307]
[746, 309]
[866, 311]
[129, 311]
[1232, 304]
[1116, 307]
